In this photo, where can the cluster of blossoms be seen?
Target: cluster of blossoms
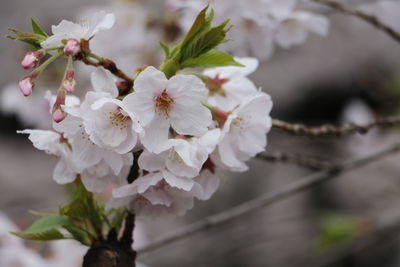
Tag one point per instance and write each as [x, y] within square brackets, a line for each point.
[259, 25]
[180, 129]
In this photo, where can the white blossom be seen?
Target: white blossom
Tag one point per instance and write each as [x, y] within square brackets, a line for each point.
[228, 86]
[133, 42]
[106, 120]
[85, 30]
[160, 103]
[294, 27]
[151, 195]
[244, 132]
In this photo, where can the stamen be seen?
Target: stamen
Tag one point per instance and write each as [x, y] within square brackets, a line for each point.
[163, 103]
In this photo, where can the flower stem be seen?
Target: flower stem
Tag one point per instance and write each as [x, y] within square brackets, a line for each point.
[170, 67]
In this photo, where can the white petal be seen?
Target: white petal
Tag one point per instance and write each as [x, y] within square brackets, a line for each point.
[151, 81]
[291, 32]
[142, 105]
[100, 21]
[206, 184]
[151, 179]
[155, 135]
[178, 182]
[125, 191]
[250, 65]
[158, 197]
[44, 140]
[190, 118]
[94, 183]
[114, 160]
[103, 81]
[63, 173]
[150, 161]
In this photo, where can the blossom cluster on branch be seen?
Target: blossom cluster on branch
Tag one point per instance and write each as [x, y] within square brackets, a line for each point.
[157, 137]
[182, 125]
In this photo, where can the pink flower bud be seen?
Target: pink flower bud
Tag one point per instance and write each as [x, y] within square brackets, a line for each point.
[72, 47]
[26, 85]
[69, 82]
[59, 115]
[31, 59]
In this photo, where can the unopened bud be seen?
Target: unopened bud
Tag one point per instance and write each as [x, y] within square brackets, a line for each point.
[31, 59]
[26, 85]
[72, 47]
[58, 113]
[69, 82]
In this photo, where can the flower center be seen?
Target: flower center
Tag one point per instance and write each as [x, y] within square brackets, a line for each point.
[215, 85]
[163, 102]
[119, 119]
[174, 156]
[240, 123]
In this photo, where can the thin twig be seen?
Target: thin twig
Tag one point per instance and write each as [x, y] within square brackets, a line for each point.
[86, 56]
[268, 199]
[109, 65]
[374, 21]
[300, 160]
[328, 129]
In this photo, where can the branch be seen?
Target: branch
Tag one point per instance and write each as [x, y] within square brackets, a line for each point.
[87, 57]
[328, 129]
[109, 65]
[310, 163]
[268, 199]
[372, 20]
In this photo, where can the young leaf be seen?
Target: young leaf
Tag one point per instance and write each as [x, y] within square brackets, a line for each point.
[197, 26]
[79, 234]
[213, 58]
[46, 228]
[165, 47]
[37, 29]
[83, 207]
[205, 41]
[30, 38]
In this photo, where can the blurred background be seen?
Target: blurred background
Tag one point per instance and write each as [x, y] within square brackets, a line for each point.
[351, 75]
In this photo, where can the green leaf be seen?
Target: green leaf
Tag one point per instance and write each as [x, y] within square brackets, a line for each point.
[165, 47]
[197, 27]
[205, 41]
[79, 234]
[37, 29]
[30, 38]
[337, 230]
[46, 228]
[83, 207]
[213, 58]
